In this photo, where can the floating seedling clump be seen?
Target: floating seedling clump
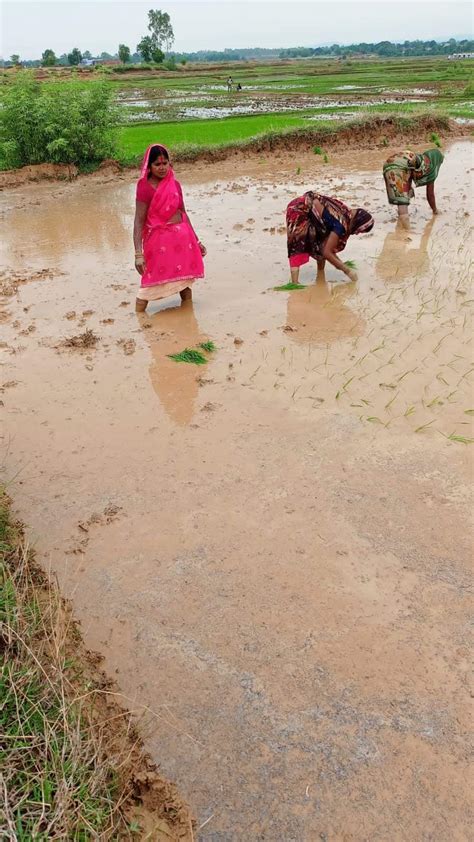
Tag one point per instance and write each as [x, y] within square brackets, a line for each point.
[193, 355]
[289, 286]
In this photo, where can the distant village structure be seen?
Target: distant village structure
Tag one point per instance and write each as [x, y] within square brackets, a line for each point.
[456, 56]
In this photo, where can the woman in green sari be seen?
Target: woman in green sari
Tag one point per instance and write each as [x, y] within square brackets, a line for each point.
[403, 169]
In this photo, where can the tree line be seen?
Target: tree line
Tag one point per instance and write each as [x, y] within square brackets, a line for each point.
[155, 47]
[384, 49]
[151, 48]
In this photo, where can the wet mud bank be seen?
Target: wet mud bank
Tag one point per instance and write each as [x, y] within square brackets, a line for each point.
[371, 133]
[271, 550]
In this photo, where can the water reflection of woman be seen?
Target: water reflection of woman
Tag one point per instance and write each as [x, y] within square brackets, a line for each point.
[319, 314]
[399, 259]
[175, 383]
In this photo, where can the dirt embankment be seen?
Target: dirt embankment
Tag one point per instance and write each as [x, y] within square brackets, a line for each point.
[136, 801]
[361, 134]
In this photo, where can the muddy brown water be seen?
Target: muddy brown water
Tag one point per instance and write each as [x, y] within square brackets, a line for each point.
[272, 551]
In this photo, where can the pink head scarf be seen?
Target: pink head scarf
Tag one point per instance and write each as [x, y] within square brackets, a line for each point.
[166, 200]
[146, 158]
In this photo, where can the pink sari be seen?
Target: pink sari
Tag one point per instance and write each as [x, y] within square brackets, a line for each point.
[172, 254]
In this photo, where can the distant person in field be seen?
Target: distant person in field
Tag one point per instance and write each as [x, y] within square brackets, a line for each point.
[168, 254]
[319, 226]
[403, 170]
[239, 87]
[230, 82]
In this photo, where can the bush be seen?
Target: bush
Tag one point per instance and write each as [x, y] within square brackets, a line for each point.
[58, 122]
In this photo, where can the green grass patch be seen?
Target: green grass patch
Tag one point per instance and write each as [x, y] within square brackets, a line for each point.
[202, 133]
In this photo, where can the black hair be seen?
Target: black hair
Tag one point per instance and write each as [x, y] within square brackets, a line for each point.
[155, 153]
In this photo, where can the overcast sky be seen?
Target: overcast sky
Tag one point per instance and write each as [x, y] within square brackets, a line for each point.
[30, 27]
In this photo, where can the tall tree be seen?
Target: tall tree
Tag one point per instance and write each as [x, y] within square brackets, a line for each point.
[15, 58]
[124, 53]
[75, 56]
[162, 35]
[159, 24]
[48, 59]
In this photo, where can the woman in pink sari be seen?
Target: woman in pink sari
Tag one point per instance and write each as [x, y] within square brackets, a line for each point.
[168, 255]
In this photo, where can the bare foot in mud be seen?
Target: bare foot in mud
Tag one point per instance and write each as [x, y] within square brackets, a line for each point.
[140, 305]
[405, 221]
[186, 294]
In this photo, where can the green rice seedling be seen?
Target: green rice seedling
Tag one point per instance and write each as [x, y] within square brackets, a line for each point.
[289, 286]
[461, 439]
[409, 411]
[423, 426]
[317, 150]
[389, 404]
[469, 412]
[189, 355]
[338, 395]
[385, 141]
[298, 170]
[405, 374]
[347, 383]
[351, 264]
[435, 139]
[208, 346]
[434, 402]
[374, 420]
[326, 159]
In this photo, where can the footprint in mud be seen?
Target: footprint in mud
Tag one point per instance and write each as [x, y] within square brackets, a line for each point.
[107, 321]
[128, 345]
[124, 303]
[27, 330]
[109, 515]
[71, 315]
[9, 384]
[210, 407]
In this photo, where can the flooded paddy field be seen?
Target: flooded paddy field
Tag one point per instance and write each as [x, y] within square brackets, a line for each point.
[272, 550]
[310, 86]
